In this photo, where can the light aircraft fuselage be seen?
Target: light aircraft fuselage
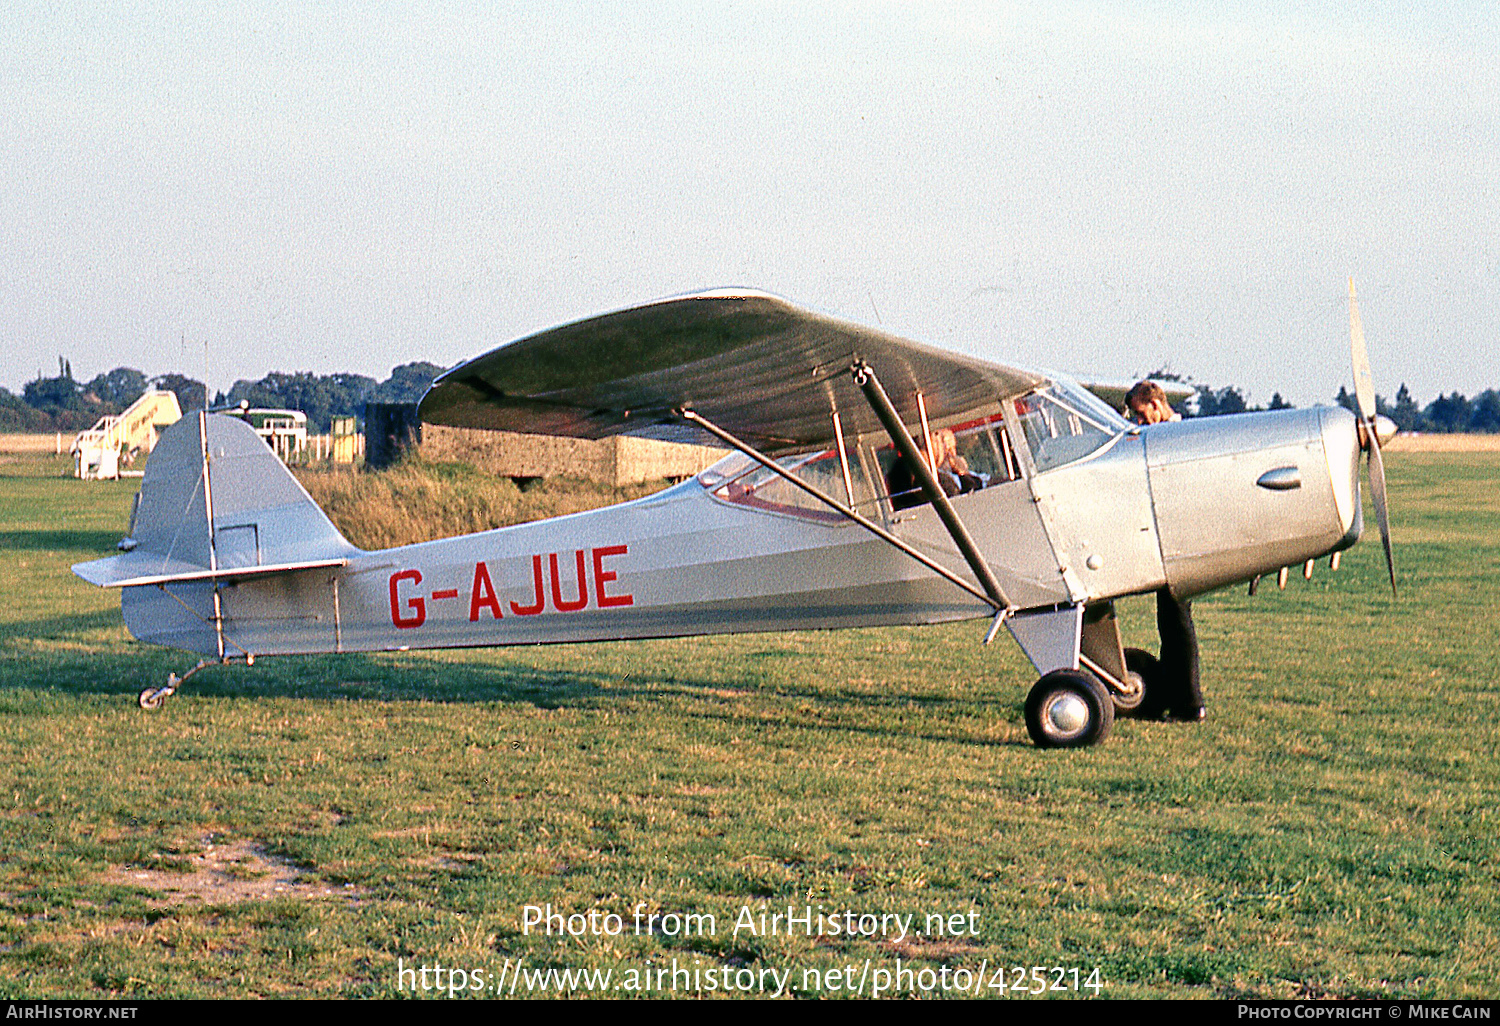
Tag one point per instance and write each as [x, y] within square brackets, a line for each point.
[874, 482]
[1175, 505]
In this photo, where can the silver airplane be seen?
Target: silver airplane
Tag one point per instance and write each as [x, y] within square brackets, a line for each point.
[827, 513]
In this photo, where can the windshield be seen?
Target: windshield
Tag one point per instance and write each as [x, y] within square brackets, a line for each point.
[1059, 432]
[1087, 402]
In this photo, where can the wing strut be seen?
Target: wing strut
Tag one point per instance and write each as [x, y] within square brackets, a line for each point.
[1001, 607]
[865, 378]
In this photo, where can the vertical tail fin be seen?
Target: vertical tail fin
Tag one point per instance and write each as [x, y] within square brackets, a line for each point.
[215, 499]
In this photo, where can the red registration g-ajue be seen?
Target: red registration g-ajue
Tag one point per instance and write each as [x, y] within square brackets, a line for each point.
[550, 588]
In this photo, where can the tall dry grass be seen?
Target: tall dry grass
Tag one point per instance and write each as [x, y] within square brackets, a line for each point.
[417, 500]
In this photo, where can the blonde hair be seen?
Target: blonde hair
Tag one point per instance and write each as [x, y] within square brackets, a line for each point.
[945, 444]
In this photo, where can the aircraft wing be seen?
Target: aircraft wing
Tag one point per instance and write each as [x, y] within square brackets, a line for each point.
[763, 369]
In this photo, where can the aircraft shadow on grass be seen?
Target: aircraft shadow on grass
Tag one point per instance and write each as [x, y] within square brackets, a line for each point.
[79, 542]
[68, 627]
[368, 677]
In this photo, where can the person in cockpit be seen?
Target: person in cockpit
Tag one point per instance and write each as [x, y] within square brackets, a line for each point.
[952, 473]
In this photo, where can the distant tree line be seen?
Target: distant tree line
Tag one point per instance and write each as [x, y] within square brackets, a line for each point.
[1210, 402]
[63, 403]
[1447, 414]
[323, 397]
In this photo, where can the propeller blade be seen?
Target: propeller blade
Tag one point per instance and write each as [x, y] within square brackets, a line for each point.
[1364, 381]
[1377, 494]
[1364, 394]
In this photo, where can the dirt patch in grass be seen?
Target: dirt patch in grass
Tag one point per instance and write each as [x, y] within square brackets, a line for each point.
[452, 862]
[226, 874]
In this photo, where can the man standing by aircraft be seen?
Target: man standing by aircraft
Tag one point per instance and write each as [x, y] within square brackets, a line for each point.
[1182, 699]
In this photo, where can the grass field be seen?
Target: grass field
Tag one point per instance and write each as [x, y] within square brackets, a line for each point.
[306, 826]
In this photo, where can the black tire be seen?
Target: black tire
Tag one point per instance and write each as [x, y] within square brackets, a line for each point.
[1147, 667]
[1127, 704]
[1068, 709]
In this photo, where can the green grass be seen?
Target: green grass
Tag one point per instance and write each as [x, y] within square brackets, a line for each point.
[1330, 831]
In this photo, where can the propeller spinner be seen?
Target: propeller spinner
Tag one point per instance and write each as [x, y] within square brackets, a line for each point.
[1374, 429]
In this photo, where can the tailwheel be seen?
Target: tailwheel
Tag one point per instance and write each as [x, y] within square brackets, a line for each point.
[152, 699]
[1068, 709]
[1143, 673]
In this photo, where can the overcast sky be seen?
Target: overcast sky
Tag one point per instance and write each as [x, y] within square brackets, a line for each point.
[1102, 189]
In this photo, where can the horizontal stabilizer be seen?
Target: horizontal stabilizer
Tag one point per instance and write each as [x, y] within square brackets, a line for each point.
[123, 572]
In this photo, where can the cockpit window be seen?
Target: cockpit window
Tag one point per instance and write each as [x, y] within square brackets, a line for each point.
[1059, 432]
[741, 480]
[985, 446]
[726, 469]
[982, 456]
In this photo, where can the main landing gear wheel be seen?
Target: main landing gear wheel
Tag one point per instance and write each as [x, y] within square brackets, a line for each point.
[1143, 667]
[1068, 709]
